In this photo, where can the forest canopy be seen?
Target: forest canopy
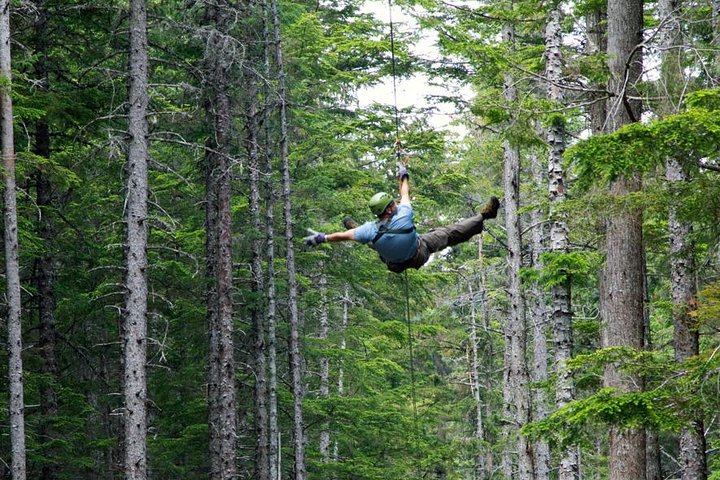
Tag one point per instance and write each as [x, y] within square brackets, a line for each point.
[166, 316]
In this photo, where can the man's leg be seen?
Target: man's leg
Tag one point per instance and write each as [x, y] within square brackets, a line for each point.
[462, 231]
[454, 234]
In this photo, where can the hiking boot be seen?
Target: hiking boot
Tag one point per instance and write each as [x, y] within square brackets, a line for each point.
[349, 223]
[490, 209]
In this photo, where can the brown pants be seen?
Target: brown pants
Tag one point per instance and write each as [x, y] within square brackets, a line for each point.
[438, 239]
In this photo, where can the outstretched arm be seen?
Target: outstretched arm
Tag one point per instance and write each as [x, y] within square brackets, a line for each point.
[316, 238]
[341, 236]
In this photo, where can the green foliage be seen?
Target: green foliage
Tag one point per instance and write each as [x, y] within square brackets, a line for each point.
[672, 397]
[639, 147]
[707, 313]
[704, 100]
[558, 268]
[568, 425]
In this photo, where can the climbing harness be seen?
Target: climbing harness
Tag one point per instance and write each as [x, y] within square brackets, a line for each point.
[382, 230]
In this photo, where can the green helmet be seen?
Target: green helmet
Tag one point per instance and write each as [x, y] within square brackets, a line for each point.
[379, 202]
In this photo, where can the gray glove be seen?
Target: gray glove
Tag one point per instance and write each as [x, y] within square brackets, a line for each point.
[314, 239]
[402, 171]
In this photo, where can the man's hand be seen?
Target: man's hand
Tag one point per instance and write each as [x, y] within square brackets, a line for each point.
[314, 239]
[402, 171]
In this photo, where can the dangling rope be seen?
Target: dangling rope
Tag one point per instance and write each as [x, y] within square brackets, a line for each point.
[412, 359]
[398, 153]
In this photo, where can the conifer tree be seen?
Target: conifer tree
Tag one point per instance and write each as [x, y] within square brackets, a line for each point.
[45, 263]
[516, 391]
[262, 459]
[18, 466]
[136, 224]
[682, 252]
[558, 237]
[539, 321]
[222, 405]
[621, 291]
[296, 362]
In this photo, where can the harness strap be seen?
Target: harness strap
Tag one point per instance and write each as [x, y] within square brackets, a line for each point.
[383, 230]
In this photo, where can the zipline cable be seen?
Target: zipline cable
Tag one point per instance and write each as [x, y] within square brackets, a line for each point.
[398, 153]
[394, 75]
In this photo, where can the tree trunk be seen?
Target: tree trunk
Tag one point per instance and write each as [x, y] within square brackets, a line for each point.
[621, 293]
[262, 459]
[324, 361]
[560, 309]
[295, 351]
[346, 301]
[685, 337]
[12, 265]
[653, 463]
[221, 374]
[516, 394]
[136, 224]
[682, 259]
[480, 467]
[270, 317]
[596, 20]
[538, 313]
[44, 264]
[516, 382]
[273, 429]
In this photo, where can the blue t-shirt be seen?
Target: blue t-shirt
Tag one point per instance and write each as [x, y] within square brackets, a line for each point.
[392, 247]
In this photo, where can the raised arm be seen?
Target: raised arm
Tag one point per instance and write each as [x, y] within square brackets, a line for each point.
[404, 187]
[403, 184]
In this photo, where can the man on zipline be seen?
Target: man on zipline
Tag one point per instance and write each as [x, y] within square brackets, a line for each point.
[393, 235]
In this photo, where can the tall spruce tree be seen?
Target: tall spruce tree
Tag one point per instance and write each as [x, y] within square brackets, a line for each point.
[560, 303]
[621, 291]
[516, 390]
[136, 242]
[682, 250]
[262, 458]
[222, 404]
[296, 362]
[44, 264]
[18, 468]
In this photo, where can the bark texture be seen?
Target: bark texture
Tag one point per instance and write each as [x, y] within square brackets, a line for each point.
[222, 403]
[136, 224]
[516, 393]
[271, 318]
[483, 462]
[12, 265]
[539, 319]
[324, 361]
[685, 338]
[296, 362]
[560, 303]
[621, 289]
[262, 459]
[270, 314]
[693, 461]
